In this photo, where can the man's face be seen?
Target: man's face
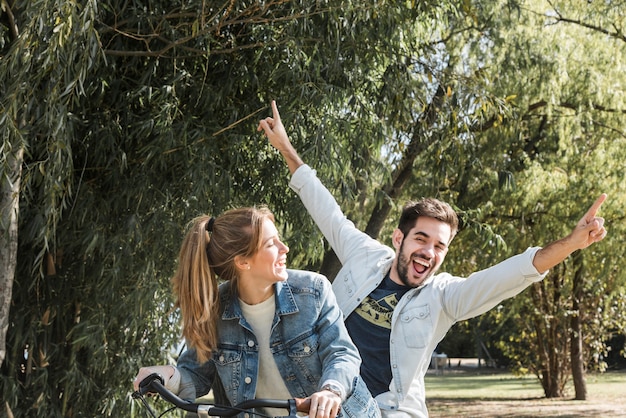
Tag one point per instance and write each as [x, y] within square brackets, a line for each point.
[421, 252]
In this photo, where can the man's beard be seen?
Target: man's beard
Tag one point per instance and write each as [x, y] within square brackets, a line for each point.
[402, 268]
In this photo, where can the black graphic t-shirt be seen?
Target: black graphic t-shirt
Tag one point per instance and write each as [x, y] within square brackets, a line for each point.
[370, 328]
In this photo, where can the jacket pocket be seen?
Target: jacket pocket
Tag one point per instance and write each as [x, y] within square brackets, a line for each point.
[228, 363]
[417, 326]
[303, 356]
[304, 348]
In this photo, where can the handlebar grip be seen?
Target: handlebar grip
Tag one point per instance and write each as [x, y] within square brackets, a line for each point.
[145, 386]
[303, 405]
[154, 384]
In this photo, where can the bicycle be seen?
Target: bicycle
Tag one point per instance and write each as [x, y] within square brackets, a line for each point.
[154, 384]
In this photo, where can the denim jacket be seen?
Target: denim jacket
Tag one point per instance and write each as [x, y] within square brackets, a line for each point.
[309, 342]
[424, 314]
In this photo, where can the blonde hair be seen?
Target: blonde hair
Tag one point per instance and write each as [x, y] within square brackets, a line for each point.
[207, 254]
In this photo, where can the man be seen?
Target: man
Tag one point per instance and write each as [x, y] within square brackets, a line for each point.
[395, 307]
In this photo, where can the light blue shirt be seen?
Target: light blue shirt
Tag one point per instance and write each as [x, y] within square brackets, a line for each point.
[423, 315]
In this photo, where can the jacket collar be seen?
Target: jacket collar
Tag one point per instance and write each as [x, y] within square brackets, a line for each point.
[285, 301]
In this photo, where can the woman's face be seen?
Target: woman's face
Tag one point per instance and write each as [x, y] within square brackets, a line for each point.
[269, 264]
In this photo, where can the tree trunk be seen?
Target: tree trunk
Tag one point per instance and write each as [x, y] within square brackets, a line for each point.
[402, 173]
[576, 348]
[551, 341]
[330, 265]
[9, 210]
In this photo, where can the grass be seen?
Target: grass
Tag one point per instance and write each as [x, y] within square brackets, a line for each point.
[480, 393]
[481, 386]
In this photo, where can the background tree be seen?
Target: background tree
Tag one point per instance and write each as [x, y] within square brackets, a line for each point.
[135, 119]
[566, 119]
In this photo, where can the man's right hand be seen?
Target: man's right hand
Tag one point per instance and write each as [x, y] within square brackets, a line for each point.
[275, 132]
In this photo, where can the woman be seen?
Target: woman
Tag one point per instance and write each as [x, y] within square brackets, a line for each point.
[265, 332]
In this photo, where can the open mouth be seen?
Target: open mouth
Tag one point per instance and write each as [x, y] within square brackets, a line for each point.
[420, 266]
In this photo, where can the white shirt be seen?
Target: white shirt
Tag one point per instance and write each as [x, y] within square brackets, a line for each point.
[270, 382]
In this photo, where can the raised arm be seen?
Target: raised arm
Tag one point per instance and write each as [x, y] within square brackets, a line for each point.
[588, 230]
[275, 132]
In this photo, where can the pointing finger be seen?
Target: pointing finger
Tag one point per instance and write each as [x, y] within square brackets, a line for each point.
[275, 111]
[593, 210]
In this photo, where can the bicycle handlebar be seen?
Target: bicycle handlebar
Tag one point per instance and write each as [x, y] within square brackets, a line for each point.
[154, 384]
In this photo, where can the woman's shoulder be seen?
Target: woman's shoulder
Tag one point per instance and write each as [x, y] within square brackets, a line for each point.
[306, 279]
[304, 275]
[301, 285]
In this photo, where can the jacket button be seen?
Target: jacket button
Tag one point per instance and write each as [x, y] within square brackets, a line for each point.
[307, 349]
[221, 358]
[247, 379]
[250, 343]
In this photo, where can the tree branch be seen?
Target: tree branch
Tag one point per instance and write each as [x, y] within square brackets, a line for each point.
[403, 171]
[12, 25]
[185, 22]
[572, 106]
[560, 18]
[617, 34]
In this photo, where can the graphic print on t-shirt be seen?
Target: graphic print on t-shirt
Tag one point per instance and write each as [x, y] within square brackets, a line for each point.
[369, 326]
[378, 312]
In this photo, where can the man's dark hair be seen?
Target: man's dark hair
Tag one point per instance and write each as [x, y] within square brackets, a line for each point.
[429, 207]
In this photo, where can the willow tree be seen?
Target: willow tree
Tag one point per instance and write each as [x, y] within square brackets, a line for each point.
[133, 118]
